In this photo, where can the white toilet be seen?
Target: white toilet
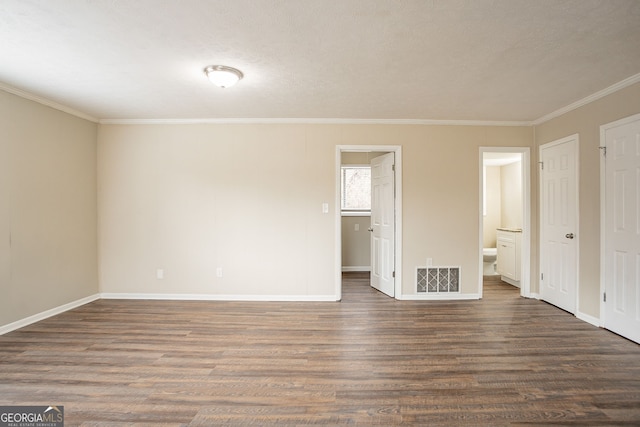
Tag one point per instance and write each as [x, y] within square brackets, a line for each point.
[489, 257]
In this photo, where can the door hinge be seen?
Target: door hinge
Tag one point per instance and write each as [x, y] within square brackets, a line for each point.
[393, 168]
[393, 274]
[604, 150]
[541, 165]
[541, 276]
[604, 297]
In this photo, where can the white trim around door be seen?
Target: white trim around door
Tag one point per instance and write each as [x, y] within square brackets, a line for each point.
[398, 213]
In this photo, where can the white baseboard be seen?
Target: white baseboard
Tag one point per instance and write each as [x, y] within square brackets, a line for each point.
[355, 268]
[510, 281]
[438, 297]
[588, 318]
[46, 314]
[580, 315]
[218, 297]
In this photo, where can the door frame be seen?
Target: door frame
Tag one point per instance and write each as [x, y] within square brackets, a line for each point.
[603, 208]
[575, 137]
[397, 150]
[525, 253]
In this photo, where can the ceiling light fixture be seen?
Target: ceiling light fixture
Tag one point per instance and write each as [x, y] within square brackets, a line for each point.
[223, 76]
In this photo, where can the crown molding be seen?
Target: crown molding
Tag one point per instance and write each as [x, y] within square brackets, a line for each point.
[593, 97]
[584, 101]
[333, 121]
[47, 102]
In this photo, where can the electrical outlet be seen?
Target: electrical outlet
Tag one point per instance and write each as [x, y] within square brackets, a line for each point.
[160, 274]
[356, 227]
[429, 262]
[219, 272]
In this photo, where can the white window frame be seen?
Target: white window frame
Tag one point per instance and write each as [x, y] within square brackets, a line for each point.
[351, 212]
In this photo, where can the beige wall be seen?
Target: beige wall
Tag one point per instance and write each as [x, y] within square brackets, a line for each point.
[356, 244]
[586, 122]
[192, 198]
[441, 195]
[47, 208]
[492, 219]
[511, 200]
[504, 200]
[247, 198]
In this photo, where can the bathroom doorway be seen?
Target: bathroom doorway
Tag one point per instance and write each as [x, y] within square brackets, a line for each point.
[505, 225]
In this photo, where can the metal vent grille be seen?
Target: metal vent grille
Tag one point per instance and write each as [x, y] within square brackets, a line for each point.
[437, 280]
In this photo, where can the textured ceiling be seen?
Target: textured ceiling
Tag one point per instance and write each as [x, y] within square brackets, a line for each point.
[491, 60]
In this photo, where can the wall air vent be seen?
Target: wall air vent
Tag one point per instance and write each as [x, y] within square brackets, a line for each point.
[437, 280]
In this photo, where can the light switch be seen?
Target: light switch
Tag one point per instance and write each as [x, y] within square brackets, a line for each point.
[356, 227]
[160, 274]
[325, 208]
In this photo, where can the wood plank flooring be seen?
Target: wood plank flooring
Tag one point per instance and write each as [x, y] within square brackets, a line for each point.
[368, 360]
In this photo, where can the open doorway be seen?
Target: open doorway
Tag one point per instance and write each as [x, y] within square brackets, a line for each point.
[504, 239]
[357, 231]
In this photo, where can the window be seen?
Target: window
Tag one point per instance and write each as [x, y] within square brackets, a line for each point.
[356, 189]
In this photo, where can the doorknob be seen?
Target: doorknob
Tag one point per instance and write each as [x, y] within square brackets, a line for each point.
[370, 229]
[569, 236]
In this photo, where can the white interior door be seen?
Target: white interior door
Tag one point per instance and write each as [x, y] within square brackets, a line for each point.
[383, 224]
[622, 227]
[558, 207]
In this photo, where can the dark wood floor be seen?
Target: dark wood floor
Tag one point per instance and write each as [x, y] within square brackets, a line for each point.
[367, 360]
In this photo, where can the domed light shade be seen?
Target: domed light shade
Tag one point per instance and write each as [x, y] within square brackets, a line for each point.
[223, 76]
